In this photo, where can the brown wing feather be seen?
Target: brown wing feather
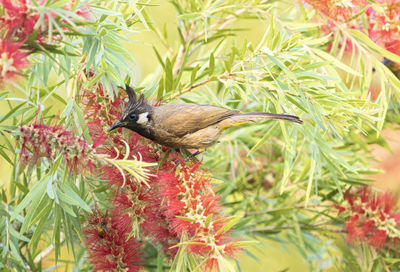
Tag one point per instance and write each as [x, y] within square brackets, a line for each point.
[181, 119]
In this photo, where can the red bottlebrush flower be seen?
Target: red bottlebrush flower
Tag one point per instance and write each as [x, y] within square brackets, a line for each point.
[83, 10]
[188, 195]
[372, 218]
[142, 205]
[339, 208]
[19, 20]
[100, 111]
[212, 264]
[384, 25]
[12, 60]
[49, 141]
[109, 248]
[393, 46]
[336, 11]
[16, 22]
[378, 238]
[193, 210]
[383, 22]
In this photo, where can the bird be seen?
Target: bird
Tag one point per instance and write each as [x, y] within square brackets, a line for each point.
[185, 125]
[393, 66]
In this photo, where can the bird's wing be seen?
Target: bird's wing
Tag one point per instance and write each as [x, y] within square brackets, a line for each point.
[181, 119]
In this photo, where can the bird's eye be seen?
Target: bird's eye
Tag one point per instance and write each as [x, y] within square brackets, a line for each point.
[132, 116]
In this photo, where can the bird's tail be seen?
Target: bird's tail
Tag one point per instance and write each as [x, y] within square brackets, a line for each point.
[248, 117]
[254, 116]
[257, 116]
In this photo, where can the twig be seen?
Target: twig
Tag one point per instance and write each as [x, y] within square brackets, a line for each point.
[312, 206]
[384, 264]
[96, 206]
[306, 227]
[179, 60]
[182, 48]
[197, 84]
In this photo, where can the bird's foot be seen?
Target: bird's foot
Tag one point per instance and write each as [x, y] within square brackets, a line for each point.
[191, 156]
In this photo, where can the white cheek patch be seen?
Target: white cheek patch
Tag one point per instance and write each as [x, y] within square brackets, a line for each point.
[143, 118]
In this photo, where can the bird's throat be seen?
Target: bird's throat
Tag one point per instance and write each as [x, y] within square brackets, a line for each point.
[145, 132]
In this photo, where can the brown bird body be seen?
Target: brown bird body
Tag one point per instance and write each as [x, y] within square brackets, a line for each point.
[185, 125]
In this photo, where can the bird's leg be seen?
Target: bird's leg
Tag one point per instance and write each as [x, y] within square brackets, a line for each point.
[177, 151]
[192, 155]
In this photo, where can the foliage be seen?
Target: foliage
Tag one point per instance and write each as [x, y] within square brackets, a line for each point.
[118, 201]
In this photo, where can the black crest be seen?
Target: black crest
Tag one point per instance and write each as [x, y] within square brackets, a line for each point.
[133, 103]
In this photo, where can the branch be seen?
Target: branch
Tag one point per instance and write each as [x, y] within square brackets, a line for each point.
[305, 227]
[198, 84]
[179, 60]
[314, 206]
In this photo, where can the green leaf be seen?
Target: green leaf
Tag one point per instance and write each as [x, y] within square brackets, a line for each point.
[13, 112]
[185, 218]
[40, 226]
[194, 74]
[310, 180]
[208, 220]
[232, 220]
[211, 65]
[244, 243]
[168, 76]
[264, 138]
[159, 58]
[50, 189]
[34, 195]
[5, 156]
[69, 196]
[68, 108]
[322, 54]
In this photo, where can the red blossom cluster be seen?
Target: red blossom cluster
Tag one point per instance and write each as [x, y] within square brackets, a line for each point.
[384, 27]
[192, 210]
[109, 245]
[19, 30]
[18, 21]
[12, 59]
[136, 202]
[383, 19]
[339, 11]
[100, 111]
[39, 141]
[168, 211]
[372, 218]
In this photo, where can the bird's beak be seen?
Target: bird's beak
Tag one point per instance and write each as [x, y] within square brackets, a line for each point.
[115, 126]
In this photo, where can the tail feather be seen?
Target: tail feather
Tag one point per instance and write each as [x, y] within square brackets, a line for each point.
[254, 116]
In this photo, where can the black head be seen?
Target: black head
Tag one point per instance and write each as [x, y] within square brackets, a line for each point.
[137, 113]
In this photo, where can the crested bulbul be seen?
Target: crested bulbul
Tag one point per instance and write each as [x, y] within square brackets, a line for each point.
[185, 125]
